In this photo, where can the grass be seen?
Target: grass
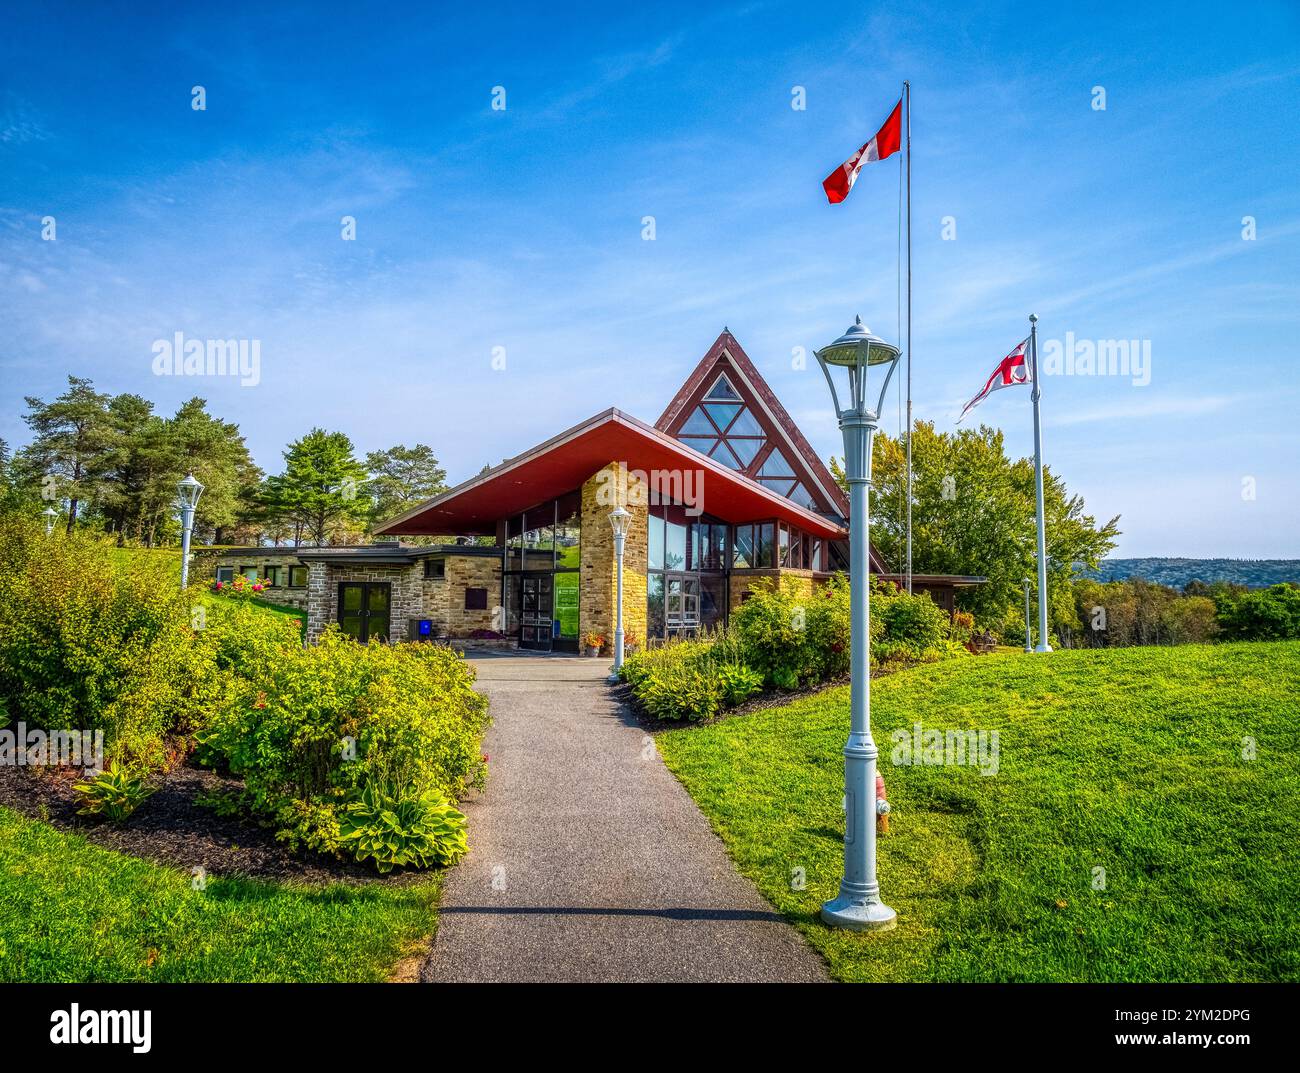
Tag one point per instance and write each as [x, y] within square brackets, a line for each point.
[1128, 760]
[73, 912]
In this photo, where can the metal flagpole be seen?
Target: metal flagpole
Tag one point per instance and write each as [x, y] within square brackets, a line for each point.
[907, 93]
[1037, 394]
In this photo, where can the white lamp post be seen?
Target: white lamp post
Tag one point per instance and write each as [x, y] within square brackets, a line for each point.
[1029, 633]
[190, 490]
[858, 905]
[620, 520]
[50, 514]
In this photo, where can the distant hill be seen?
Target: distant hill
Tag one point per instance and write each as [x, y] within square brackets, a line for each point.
[1257, 573]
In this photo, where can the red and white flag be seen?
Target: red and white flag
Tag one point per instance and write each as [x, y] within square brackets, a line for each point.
[1011, 370]
[886, 143]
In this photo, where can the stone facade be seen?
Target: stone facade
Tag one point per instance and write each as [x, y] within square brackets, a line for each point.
[445, 597]
[406, 593]
[598, 566]
[283, 593]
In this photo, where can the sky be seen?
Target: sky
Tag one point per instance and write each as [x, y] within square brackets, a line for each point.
[502, 284]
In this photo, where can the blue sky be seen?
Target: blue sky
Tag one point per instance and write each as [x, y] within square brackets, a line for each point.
[522, 228]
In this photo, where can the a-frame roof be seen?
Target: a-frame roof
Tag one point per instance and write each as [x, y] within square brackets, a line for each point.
[726, 357]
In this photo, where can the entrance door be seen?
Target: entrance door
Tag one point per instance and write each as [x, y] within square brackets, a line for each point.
[535, 630]
[364, 609]
[682, 604]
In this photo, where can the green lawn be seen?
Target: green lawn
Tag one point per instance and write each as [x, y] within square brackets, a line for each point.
[71, 911]
[1125, 760]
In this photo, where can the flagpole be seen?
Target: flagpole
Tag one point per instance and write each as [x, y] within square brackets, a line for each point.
[1036, 395]
[907, 93]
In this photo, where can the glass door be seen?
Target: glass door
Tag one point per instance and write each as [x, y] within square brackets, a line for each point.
[364, 609]
[682, 604]
[535, 608]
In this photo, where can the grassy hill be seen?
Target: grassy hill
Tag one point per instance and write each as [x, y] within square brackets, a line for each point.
[1256, 573]
[1132, 761]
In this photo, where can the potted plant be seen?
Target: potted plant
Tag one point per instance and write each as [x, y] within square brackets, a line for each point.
[630, 642]
[593, 643]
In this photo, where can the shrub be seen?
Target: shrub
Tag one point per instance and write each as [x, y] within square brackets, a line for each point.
[827, 623]
[771, 627]
[114, 794]
[395, 827]
[908, 627]
[677, 680]
[738, 683]
[315, 726]
[1271, 614]
[91, 638]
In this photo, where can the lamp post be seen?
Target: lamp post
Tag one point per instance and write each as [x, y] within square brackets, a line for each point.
[190, 490]
[858, 905]
[619, 520]
[1029, 633]
[50, 514]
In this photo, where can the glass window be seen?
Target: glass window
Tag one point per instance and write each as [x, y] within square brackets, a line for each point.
[723, 413]
[746, 424]
[435, 568]
[568, 539]
[476, 599]
[763, 535]
[675, 547]
[783, 538]
[743, 558]
[775, 465]
[799, 494]
[722, 389]
[745, 450]
[225, 574]
[815, 554]
[297, 577]
[272, 575]
[703, 444]
[655, 543]
[723, 454]
[654, 599]
[566, 606]
[697, 425]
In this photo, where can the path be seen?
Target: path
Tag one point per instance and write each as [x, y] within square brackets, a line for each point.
[588, 860]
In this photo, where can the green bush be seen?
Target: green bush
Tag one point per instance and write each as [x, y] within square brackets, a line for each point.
[772, 628]
[313, 727]
[677, 680]
[114, 794]
[909, 627]
[400, 827]
[1271, 614]
[94, 640]
[738, 682]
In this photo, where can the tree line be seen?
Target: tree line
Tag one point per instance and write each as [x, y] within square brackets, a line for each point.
[111, 463]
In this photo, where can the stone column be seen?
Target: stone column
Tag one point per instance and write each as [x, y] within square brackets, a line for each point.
[611, 487]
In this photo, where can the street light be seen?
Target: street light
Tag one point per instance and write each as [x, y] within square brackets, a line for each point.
[190, 490]
[620, 520]
[50, 514]
[858, 905]
[1029, 634]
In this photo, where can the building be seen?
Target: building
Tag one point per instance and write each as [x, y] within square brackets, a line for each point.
[724, 490]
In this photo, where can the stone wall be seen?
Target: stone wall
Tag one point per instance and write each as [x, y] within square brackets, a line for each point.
[281, 594]
[406, 593]
[597, 563]
[448, 595]
[804, 582]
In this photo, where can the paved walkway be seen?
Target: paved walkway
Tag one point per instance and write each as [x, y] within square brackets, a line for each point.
[588, 860]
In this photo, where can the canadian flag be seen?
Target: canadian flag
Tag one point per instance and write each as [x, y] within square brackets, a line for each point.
[887, 141]
[1011, 370]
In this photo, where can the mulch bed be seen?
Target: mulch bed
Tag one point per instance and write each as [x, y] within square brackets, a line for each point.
[171, 829]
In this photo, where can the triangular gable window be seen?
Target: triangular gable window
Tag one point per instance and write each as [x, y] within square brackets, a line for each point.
[698, 425]
[776, 466]
[723, 391]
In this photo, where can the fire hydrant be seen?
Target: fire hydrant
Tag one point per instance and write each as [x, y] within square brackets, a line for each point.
[882, 807]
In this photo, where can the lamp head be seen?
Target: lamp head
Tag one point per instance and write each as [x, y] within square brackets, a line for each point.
[620, 519]
[190, 489]
[858, 346]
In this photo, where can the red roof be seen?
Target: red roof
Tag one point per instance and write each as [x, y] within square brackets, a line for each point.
[568, 460]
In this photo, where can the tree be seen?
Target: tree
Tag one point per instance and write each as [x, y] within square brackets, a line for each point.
[322, 486]
[973, 512]
[73, 446]
[401, 477]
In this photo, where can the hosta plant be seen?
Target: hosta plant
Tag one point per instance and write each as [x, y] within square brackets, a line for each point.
[396, 827]
[113, 794]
